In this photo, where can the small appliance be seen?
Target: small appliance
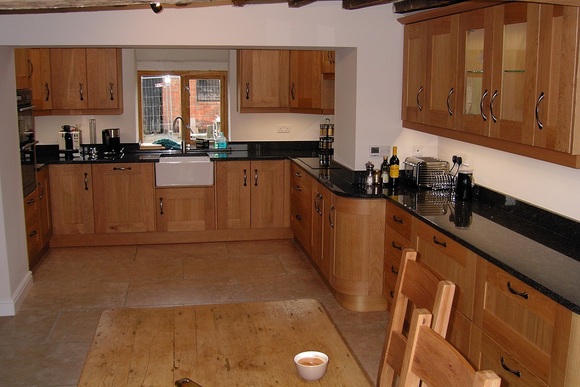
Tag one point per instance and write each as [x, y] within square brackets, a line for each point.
[465, 183]
[112, 141]
[70, 141]
[428, 172]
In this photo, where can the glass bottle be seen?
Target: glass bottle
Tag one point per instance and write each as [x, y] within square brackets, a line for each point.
[394, 168]
[385, 170]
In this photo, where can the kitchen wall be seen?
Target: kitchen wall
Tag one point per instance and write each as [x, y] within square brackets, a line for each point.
[368, 88]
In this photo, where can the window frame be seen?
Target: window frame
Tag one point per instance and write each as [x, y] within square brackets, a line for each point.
[186, 76]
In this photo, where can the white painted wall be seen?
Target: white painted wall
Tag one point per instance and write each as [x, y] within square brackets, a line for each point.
[368, 88]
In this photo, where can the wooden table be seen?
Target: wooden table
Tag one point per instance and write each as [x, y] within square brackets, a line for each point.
[247, 344]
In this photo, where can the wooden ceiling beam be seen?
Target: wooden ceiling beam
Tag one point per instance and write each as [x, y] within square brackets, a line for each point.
[404, 6]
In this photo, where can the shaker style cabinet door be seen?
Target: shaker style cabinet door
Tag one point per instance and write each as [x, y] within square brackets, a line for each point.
[305, 79]
[104, 83]
[69, 78]
[124, 197]
[71, 188]
[414, 72]
[185, 209]
[263, 80]
[41, 79]
[232, 182]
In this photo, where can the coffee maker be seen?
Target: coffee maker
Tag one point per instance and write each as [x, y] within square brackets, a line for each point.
[112, 141]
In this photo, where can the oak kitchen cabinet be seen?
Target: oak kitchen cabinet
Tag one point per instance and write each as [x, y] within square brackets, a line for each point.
[185, 209]
[33, 232]
[44, 205]
[277, 81]
[72, 80]
[522, 335]
[321, 249]
[102, 198]
[263, 80]
[300, 206]
[513, 90]
[252, 194]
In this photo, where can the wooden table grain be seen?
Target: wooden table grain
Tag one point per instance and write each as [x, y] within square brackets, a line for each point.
[246, 344]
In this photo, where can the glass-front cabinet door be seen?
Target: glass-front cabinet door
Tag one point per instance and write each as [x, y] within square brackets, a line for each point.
[475, 60]
[512, 101]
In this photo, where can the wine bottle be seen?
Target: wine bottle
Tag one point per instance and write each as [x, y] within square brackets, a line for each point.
[385, 170]
[394, 168]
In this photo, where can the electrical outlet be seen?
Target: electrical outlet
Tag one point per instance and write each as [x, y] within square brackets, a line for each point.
[283, 128]
[417, 150]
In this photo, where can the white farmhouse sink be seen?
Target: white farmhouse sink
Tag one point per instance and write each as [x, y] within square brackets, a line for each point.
[184, 171]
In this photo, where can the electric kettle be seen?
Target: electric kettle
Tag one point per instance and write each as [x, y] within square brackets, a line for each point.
[465, 183]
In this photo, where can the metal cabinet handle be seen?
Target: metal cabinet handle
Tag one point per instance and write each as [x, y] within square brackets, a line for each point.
[33, 233]
[298, 188]
[451, 91]
[245, 178]
[419, 106]
[111, 91]
[481, 105]
[161, 206]
[396, 246]
[47, 91]
[494, 95]
[523, 295]
[392, 294]
[438, 242]
[298, 174]
[330, 216]
[121, 168]
[81, 93]
[41, 195]
[30, 68]
[247, 90]
[538, 121]
[393, 270]
[299, 217]
[292, 90]
[86, 181]
[397, 220]
[505, 367]
[255, 177]
[30, 201]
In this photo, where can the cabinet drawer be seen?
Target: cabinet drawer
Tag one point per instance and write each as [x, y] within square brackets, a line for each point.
[31, 211]
[395, 242]
[493, 356]
[448, 260]
[399, 220]
[299, 178]
[519, 317]
[301, 223]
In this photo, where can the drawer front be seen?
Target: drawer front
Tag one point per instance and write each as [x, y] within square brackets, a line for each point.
[301, 223]
[395, 242]
[399, 220]
[299, 177]
[31, 211]
[520, 318]
[450, 261]
[494, 357]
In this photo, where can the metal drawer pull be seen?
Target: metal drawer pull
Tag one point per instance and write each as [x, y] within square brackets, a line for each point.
[329, 216]
[451, 91]
[121, 168]
[161, 206]
[47, 91]
[393, 270]
[86, 181]
[298, 188]
[81, 93]
[493, 117]
[299, 217]
[392, 294]
[32, 233]
[245, 178]
[396, 246]
[247, 90]
[398, 220]
[540, 98]
[111, 91]
[524, 295]
[292, 91]
[30, 201]
[481, 105]
[298, 174]
[419, 106]
[438, 242]
[508, 369]
[255, 177]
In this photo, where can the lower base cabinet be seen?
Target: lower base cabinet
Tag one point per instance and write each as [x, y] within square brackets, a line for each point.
[185, 209]
[356, 242]
[33, 231]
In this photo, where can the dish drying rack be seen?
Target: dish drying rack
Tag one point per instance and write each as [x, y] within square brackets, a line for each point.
[429, 172]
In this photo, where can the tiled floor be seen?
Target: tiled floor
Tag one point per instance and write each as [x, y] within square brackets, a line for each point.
[46, 343]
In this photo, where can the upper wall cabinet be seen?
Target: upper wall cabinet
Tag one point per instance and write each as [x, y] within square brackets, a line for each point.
[280, 81]
[72, 80]
[502, 76]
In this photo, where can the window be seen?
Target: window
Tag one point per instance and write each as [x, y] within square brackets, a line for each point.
[199, 98]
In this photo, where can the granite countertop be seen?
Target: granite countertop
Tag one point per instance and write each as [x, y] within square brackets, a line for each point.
[537, 247]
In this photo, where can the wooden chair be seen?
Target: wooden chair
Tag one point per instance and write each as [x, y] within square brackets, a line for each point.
[433, 360]
[417, 284]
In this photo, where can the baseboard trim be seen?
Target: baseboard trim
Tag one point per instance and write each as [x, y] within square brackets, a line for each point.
[10, 307]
